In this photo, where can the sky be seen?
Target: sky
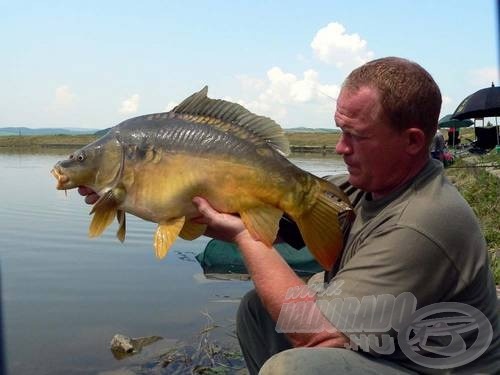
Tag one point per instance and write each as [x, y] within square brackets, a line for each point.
[93, 64]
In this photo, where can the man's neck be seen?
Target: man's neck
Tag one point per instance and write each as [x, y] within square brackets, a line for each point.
[413, 170]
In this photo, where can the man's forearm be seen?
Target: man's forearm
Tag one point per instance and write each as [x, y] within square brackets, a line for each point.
[273, 279]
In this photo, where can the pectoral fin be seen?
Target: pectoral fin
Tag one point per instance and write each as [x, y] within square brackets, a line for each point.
[166, 234]
[191, 231]
[120, 216]
[104, 211]
[103, 217]
[262, 222]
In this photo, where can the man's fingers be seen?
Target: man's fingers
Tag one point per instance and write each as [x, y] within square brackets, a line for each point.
[225, 227]
[204, 208]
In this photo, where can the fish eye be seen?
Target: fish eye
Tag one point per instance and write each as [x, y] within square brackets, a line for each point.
[81, 156]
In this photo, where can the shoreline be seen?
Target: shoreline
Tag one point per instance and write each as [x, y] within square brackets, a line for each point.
[314, 143]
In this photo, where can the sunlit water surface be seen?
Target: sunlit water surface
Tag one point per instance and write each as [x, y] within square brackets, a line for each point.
[65, 295]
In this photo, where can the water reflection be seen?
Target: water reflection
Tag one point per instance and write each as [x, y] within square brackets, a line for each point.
[65, 295]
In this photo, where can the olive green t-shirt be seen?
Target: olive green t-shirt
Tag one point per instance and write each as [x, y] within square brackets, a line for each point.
[422, 244]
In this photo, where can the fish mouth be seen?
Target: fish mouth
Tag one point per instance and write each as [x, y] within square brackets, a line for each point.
[62, 179]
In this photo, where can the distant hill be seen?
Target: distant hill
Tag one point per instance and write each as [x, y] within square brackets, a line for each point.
[21, 130]
[102, 132]
[303, 129]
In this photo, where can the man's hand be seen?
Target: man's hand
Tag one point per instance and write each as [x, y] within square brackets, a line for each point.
[225, 227]
[90, 195]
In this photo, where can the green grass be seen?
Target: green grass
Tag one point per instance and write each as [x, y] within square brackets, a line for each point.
[480, 189]
[313, 139]
[38, 141]
[295, 139]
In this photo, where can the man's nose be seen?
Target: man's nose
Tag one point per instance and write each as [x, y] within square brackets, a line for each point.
[342, 148]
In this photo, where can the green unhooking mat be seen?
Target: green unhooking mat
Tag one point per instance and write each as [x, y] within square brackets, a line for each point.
[221, 257]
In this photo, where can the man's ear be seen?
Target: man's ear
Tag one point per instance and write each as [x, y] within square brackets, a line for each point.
[416, 141]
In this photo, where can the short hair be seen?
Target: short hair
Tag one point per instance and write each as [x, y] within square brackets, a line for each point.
[409, 95]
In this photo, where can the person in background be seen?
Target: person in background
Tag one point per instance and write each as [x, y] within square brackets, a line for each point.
[438, 146]
[453, 137]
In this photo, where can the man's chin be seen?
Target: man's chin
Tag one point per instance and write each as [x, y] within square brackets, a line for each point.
[355, 181]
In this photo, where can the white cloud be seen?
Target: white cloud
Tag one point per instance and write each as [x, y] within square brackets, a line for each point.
[130, 105]
[329, 91]
[304, 100]
[64, 98]
[283, 93]
[279, 86]
[333, 45]
[265, 109]
[304, 90]
[286, 88]
[484, 76]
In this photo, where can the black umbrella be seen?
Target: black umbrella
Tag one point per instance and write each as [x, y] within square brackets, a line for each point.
[483, 103]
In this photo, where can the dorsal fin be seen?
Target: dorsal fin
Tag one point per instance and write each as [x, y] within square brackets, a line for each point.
[258, 129]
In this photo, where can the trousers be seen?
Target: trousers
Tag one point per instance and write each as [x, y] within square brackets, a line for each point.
[268, 352]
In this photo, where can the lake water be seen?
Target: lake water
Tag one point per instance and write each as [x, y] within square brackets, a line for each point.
[64, 295]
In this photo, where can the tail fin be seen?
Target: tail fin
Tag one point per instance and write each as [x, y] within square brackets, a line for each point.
[326, 224]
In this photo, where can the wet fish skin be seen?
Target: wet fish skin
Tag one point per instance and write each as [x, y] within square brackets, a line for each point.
[152, 166]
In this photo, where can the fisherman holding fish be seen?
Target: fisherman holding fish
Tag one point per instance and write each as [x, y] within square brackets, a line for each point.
[400, 242]
[236, 160]
[400, 250]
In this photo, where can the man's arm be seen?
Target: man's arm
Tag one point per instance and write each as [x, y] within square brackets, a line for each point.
[272, 276]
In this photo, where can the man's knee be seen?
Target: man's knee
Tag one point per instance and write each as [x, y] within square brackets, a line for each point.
[315, 361]
[292, 361]
[331, 361]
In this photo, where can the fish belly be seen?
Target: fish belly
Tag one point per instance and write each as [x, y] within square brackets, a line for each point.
[164, 190]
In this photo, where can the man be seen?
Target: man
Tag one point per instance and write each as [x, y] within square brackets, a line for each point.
[438, 146]
[453, 137]
[401, 248]
[401, 243]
